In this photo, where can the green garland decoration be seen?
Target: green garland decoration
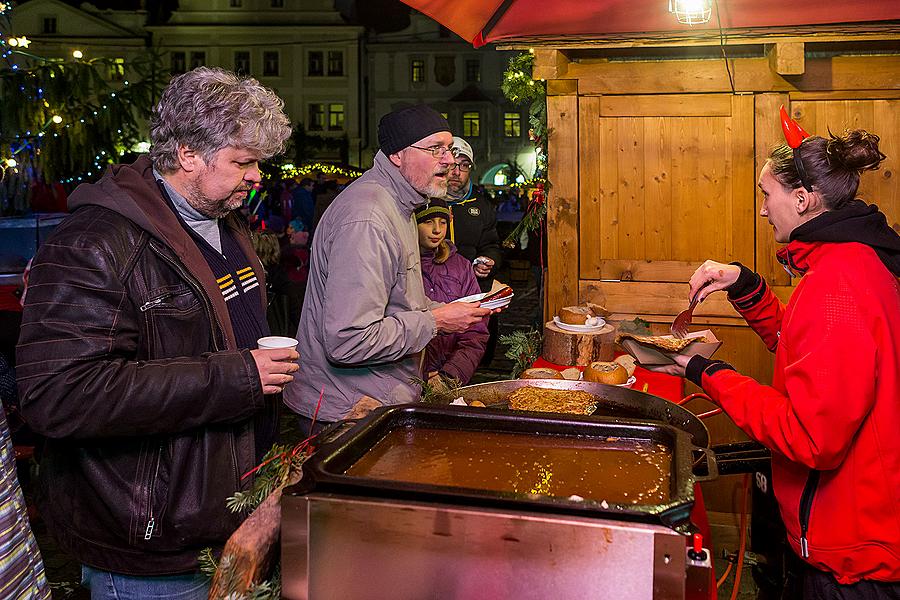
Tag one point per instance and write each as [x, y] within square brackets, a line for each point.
[524, 349]
[520, 88]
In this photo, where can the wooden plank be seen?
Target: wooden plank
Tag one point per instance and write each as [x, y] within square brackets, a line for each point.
[881, 186]
[846, 95]
[666, 105]
[743, 169]
[657, 157]
[562, 87]
[768, 135]
[631, 194]
[624, 269]
[609, 190]
[787, 58]
[685, 172]
[562, 212]
[750, 75]
[591, 151]
[655, 298]
[711, 190]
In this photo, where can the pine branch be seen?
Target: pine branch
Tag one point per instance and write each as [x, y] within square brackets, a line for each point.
[524, 349]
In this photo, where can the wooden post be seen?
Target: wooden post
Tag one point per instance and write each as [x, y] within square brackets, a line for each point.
[562, 211]
[787, 58]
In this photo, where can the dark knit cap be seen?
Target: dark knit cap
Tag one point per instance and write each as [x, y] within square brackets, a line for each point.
[435, 208]
[405, 126]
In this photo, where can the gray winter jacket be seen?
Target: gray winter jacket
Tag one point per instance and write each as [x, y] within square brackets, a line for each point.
[366, 318]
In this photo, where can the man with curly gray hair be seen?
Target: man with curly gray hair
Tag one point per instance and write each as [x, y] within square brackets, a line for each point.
[138, 356]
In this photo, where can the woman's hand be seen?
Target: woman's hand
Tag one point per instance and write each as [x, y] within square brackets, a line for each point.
[677, 369]
[718, 275]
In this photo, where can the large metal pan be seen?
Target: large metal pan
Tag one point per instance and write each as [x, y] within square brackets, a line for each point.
[615, 402]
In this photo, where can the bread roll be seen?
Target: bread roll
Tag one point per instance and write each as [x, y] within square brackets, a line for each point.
[572, 373]
[627, 361]
[606, 372]
[574, 315]
[540, 373]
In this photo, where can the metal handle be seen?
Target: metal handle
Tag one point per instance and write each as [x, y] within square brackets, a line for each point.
[712, 468]
[334, 431]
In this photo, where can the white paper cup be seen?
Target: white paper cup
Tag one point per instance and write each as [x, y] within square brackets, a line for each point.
[276, 341]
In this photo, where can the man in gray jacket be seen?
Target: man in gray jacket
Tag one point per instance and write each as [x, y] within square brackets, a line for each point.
[366, 319]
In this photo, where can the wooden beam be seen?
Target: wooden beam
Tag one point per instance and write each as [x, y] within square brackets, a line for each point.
[787, 58]
[562, 210]
[666, 105]
[549, 63]
[562, 87]
[749, 75]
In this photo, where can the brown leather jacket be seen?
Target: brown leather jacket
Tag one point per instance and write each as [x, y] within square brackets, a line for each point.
[127, 363]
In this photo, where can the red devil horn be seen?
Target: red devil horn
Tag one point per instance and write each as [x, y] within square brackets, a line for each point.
[793, 133]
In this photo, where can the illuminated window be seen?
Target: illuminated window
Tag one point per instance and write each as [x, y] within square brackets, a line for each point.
[471, 124]
[316, 117]
[117, 69]
[512, 124]
[270, 64]
[335, 63]
[315, 65]
[417, 70]
[335, 117]
[443, 114]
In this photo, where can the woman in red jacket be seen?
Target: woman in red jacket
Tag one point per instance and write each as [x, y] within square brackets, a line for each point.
[832, 414]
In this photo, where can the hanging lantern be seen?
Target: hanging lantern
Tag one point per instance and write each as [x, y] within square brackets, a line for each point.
[691, 12]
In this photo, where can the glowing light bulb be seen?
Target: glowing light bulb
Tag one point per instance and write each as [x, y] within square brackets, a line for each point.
[56, 119]
[11, 162]
[78, 54]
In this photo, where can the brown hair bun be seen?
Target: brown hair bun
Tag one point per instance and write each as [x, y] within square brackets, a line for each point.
[541, 373]
[611, 373]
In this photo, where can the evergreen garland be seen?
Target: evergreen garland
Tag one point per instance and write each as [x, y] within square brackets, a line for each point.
[520, 88]
[524, 349]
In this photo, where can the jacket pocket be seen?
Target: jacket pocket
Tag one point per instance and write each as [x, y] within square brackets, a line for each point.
[806, 503]
[150, 495]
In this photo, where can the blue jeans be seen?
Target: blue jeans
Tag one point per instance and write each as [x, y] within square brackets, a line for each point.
[113, 586]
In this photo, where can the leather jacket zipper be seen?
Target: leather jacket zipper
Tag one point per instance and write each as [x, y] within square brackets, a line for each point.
[155, 302]
[194, 285]
[806, 502]
[151, 522]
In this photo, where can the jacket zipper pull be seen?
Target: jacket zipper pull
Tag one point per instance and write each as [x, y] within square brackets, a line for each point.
[804, 547]
[148, 533]
[148, 305]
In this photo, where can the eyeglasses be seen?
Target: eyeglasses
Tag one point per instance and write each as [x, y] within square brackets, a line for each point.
[463, 167]
[439, 151]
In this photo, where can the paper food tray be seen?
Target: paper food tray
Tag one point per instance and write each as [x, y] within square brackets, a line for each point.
[650, 356]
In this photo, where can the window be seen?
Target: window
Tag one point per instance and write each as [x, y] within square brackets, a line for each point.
[473, 71]
[277, 4]
[315, 66]
[198, 59]
[242, 62]
[335, 117]
[335, 63]
[270, 64]
[117, 69]
[417, 70]
[471, 123]
[178, 63]
[512, 124]
[316, 117]
[48, 25]
[236, 3]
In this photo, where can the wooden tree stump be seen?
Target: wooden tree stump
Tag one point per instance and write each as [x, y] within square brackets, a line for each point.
[579, 349]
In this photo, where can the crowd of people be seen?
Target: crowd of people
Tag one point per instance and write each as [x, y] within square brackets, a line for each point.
[138, 360]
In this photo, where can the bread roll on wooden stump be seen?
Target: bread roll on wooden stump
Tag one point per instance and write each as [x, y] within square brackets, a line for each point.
[569, 348]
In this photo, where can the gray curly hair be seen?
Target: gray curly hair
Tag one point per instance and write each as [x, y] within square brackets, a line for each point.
[208, 109]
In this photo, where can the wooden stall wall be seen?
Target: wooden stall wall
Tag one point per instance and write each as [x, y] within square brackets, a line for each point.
[654, 163]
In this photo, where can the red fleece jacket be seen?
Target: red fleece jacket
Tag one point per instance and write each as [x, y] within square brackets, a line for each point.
[833, 406]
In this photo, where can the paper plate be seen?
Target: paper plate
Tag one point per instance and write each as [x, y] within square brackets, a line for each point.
[491, 304]
[579, 328]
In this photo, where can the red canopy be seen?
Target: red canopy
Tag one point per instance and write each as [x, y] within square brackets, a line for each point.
[483, 21]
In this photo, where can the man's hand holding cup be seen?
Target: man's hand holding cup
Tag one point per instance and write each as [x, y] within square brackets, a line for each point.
[276, 360]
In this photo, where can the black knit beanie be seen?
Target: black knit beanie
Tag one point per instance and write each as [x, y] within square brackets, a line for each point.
[435, 208]
[405, 126]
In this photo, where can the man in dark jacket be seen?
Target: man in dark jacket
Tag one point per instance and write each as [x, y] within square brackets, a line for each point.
[135, 355]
